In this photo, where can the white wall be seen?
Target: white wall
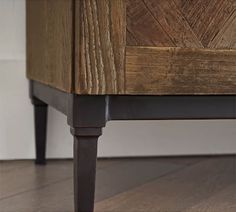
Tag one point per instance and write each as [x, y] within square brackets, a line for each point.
[131, 138]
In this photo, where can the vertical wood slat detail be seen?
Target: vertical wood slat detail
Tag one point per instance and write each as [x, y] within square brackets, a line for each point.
[49, 43]
[100, 40]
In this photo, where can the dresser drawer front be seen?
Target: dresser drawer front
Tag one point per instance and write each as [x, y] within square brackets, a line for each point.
[181, 47]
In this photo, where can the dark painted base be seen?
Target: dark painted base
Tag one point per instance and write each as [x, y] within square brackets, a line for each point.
[88, 114]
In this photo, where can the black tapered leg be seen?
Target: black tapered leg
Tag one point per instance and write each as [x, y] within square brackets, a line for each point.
[86, 116]
[40, 122]
[85, 157]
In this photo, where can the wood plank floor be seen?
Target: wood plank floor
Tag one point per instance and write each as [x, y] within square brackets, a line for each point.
[124, 185]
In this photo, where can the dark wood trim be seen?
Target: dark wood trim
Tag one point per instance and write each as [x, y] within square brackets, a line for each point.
[52, 96]
[120, 107]
[171, 107]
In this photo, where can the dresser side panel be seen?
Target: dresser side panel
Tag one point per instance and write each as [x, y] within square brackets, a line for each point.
[49, 42]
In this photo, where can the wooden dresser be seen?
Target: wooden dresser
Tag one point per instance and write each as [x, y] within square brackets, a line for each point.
[101, 60]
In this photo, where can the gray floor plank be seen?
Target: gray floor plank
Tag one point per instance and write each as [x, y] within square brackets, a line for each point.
[130, 174]
[12, 165]
[112, 179]
[177, 191]
[32, 177]
[124, 185]
[224, 200]
[26, 176]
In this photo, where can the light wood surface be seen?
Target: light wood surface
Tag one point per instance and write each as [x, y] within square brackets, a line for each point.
[100, 46]
[128, 185]
[160, 70]
[49, 42]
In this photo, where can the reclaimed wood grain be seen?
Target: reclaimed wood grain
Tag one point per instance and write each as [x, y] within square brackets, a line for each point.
[133, 46]
[49, 42]
[208, 18]
[100, 46]
[158, 23]
[226, 38]
[156, 70]
[143, 28]
[181, 23]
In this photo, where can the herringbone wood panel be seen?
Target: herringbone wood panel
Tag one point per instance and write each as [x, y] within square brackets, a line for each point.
[182, 23]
